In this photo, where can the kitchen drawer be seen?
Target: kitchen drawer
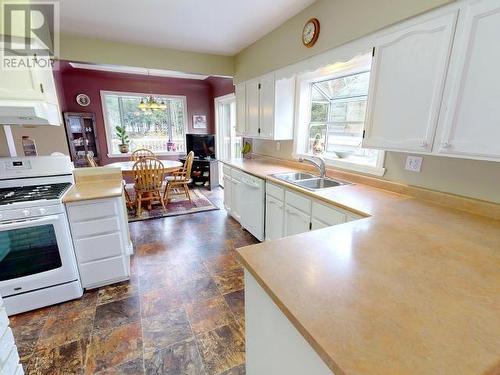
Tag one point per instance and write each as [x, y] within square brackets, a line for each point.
[275, 191]
[103, 271]
[98, 247]
[6, 344]
[4, 319]
[10, 366]
[226, 170]
[92, 210]
[298, 201]
[94, 227]
[327, 214]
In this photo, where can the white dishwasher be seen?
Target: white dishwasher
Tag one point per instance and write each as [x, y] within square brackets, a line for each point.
[252, 204]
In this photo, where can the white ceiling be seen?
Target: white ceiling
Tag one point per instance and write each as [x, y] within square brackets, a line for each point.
[210, 26]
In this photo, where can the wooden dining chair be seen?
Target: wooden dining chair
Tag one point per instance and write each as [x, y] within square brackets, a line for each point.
[178, 181]
[148, 181]
[130, 203]
[142, 153]
[91, 161]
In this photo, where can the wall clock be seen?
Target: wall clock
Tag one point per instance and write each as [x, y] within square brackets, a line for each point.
[83, 100]
[310, 33]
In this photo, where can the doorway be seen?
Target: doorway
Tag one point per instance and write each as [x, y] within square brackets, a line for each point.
[228, 145]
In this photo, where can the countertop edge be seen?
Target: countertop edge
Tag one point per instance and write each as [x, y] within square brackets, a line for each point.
[112, 192]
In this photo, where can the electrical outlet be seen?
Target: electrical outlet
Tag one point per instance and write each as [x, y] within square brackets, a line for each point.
[414, 163]
[278, 146]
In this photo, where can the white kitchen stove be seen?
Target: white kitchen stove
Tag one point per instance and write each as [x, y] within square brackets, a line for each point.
[37, 260]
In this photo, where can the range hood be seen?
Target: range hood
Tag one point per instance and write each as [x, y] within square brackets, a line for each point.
[34, 112]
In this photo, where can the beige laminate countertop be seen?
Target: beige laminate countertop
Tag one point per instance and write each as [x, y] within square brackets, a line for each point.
[412, 289]
[95, 183]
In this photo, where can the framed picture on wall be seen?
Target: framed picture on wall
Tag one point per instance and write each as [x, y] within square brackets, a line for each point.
[199, 121]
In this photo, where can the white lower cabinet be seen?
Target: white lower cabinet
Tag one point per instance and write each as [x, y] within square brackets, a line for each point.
[9, 357]
[289, 212]
[275, 216]
[296, 221]
[101, 239]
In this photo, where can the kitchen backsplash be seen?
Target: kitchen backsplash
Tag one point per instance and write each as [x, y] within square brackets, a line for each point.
[471, 178]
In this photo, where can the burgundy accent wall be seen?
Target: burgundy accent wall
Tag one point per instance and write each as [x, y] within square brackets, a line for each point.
[199, 95]
[221, 86]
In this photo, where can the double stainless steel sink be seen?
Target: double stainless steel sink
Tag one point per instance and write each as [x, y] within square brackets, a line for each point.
[307, 180]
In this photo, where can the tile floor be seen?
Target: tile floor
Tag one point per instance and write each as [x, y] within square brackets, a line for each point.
[181, 313]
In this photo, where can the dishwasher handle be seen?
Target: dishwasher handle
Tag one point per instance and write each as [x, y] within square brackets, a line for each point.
[250, 183]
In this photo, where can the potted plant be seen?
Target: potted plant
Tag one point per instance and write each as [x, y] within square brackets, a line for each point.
[121, 133]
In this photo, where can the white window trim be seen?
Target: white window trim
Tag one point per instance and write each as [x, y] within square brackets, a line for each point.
[303, 112]
[127, 93]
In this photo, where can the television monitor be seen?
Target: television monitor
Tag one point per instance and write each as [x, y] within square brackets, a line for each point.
[203, 145]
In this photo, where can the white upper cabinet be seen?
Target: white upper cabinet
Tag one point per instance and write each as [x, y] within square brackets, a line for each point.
[406, 85]
[471, 110]
[267, 106]
[241, 111]
[21, 84]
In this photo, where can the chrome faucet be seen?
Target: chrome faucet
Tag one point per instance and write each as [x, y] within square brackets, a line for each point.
[317, 162]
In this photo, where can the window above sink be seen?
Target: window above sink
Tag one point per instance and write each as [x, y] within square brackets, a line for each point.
[332, 108]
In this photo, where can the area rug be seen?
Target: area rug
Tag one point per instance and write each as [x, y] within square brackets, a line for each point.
[179, 205]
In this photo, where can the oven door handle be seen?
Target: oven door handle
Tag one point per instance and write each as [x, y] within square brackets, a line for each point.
[23, 223]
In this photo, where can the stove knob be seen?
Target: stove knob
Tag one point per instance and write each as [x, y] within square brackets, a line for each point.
[26, 213]
[42, 211]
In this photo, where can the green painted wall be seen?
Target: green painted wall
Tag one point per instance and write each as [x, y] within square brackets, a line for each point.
[341, 21]
[100, 51]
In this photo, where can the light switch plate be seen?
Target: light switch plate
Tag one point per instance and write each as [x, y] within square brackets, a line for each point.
[414, 163]
[278, 146]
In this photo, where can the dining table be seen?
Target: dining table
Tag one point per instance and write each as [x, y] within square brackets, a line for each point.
[126, 166]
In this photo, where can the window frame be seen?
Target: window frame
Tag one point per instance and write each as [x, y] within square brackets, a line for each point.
[107, 129]
[357, 65]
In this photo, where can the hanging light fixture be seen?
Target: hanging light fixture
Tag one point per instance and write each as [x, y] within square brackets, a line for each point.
[149, 103]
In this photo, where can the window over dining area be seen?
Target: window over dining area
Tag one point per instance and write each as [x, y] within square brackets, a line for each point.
[332, 107]
[161, 130]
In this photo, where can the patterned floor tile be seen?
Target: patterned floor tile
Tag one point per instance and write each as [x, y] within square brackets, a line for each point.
[165, 329]
[180, 358]
[114, 347]
[116, 292]
[238, 370]
[229, 280]
[200, 289]
[115, 314]
[160, 300]
[222, 263]
[64, 359]
[66, 327]
[87, 301]
[236, 302]
[135, 367]
[222, 348]
[208, 314]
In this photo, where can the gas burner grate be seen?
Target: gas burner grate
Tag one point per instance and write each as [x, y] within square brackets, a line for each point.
[32, 193]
